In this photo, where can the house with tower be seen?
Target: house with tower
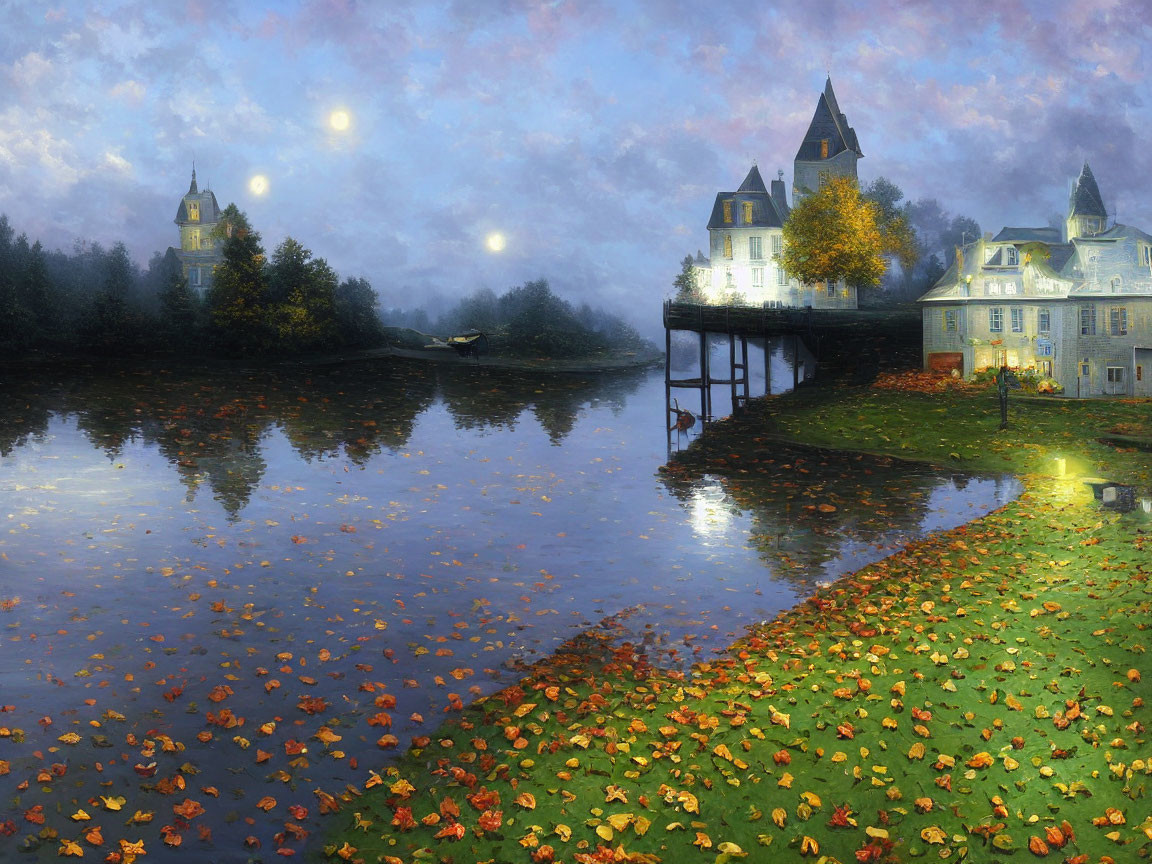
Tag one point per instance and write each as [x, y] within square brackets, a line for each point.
[745, 228]
[197, 217]
[1072, 303]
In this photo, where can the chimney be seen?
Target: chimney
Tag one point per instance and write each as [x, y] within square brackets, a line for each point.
[780, 196]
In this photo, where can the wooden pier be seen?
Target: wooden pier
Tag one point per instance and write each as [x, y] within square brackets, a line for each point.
[815, 329]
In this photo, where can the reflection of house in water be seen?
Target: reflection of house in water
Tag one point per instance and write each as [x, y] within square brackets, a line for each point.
[811, 514]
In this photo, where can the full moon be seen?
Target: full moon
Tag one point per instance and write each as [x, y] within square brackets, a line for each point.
[258, 185]
[495, 242]
[339, 120]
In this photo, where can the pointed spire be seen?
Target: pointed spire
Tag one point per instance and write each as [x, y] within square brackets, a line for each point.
[753, 182]
[1085, 199]
[192, 190]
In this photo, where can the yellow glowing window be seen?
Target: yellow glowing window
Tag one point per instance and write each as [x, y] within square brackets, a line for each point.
[193, 239]
[824, 148]
[727, 211]
[748, 212]
[727, 245]
[193, 211]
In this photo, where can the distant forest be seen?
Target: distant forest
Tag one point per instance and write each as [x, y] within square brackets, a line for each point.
[96, 300]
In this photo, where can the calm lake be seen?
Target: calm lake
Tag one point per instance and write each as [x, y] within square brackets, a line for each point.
[205, 570]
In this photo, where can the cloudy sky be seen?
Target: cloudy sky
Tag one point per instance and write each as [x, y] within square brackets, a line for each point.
[593, 134]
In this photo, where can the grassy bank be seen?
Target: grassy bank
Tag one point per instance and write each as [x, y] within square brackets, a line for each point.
[977, 696]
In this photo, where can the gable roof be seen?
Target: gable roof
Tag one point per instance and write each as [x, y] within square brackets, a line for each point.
[1085, 199]
[764, 212]
[828, 124]
[209, 209]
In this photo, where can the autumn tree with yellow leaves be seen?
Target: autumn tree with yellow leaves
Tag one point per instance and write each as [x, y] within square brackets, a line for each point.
[836, 233]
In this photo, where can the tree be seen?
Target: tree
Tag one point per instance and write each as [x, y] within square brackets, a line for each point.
[302, 292]
[112, 327]
[238, 298]
[899, 238]
[687, 288]
[180, 312]
[356, 316]
[835, 234]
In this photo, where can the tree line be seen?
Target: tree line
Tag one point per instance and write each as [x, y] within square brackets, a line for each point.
[286, 303]
[99, 299]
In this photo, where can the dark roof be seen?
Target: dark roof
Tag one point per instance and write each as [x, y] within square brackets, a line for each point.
[192, 190]
[830, 124]
[764, 213]
[1121, 232]
[1085, 199]
[1029, 235]
[1059, 253]
[753, 182]
[209, 209]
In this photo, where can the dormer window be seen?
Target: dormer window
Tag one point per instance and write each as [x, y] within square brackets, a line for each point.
[193, 211]
[1013, 256]
[824, 148]
[728, 212]
[747, 205]
[727, 245]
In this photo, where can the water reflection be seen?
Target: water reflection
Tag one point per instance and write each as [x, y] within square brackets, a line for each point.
[210, 425]
[814, 514]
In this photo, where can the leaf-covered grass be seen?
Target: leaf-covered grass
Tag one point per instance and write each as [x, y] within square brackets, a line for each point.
[978, 695]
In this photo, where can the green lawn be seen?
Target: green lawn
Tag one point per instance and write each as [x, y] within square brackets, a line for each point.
[979, 695]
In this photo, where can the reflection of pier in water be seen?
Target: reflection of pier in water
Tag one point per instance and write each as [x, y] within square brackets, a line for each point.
[802, 338]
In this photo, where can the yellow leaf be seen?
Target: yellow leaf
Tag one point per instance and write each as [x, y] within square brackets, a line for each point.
[723, 752]
[812, 798]
[933, 834]
[70, 848]
[69, 738]
[779, 816]
[563, 832]
[839, 756]
[642, 826]
[691, 805]
[80, 816]
[524, 709]
[702, 840]
[620, 821]
[786, 781]
[605, 832]
[526, 800]
[113, 803]
[879, 833]
[809, 846]
[917, 750]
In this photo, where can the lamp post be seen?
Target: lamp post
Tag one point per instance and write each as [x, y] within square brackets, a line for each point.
[968, 285]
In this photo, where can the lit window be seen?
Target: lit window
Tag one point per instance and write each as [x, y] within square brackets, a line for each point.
[1044, 320]
[756, 248]
[757, 277]
[950, 320]
[824, 148]
[193, 239]
[992, 288]
[193, 211]
[1088, 320]
[1017, 319]
[727, 245]
[1012, 256]
[996, 319]
[747, 207]
[728, 212]
[1118, 321]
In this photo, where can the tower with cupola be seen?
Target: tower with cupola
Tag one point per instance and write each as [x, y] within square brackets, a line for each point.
[199, 251]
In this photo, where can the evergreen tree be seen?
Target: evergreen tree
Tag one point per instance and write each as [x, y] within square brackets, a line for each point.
[181, 313]
[304, 291]
[238, 298]
[687, 289]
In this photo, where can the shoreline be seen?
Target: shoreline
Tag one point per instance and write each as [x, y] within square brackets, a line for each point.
[962, 628]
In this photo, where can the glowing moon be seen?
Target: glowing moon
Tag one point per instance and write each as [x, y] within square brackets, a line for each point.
[495, 242]
[258, 185]
[339, 120]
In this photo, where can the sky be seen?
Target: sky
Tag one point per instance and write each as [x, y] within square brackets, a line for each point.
[592, 135]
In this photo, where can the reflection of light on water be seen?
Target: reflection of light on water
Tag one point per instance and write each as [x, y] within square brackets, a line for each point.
[711, 512]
